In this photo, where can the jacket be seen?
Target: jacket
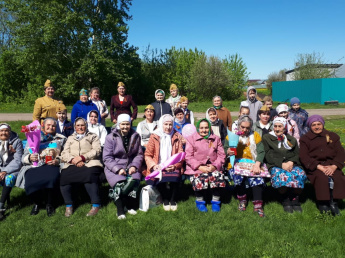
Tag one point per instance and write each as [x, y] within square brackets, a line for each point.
[116, 158]
[81, 109]
[256, 127]
[45, 107]
[89, 147]
[224, 115]
[15, 151]
[300, 117]
[254, 106]
[200, 151]
[124, 108]
[292, 129]
[144, 132]
[68, 128]
[161, 108]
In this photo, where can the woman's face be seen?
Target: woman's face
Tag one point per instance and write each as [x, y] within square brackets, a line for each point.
[159, 96]
[204, 129]
[49, 91]
[245, 128]
[264, 118]
[94, 95]
[121, 90]
[93, 118]
[149, 114]
[125, 127]
[167, 127]
[173, 93]
[213, 116]
[49, 127]
[5, 134]
[80, 127]
[278, 129]
[217, 102]
[179, 116]
[284, 114]
[83, 98]
[316, 127]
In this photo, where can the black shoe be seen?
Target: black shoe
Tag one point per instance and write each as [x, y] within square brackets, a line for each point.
[335, 209]
[296, 205]
[2, 214]
[50, 210]
[35, 210]
[323, 208]
[288, 208]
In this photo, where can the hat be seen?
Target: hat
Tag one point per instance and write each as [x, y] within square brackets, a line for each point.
[282, 108]
[5, 126]
[173, 87]
[60, 107]
[178, 110]
[264, 108]
[121, 84]
[149, 107]
[294, 101]
[183, 99]
[48, 84]
[244, 104]
[280, 120]
[82, 92]
[315, 118]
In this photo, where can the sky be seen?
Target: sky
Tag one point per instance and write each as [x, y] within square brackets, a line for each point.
[267, 34]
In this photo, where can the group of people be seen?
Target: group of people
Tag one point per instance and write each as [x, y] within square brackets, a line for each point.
[282, 146]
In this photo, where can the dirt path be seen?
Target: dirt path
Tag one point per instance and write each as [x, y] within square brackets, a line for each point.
[4, 117]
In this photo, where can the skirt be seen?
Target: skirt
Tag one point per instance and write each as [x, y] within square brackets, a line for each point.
[80, 175]
[201, 181]
[293, 179]
[42, 177]
[249, 181]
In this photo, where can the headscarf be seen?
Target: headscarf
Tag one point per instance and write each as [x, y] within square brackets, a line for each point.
[122, 118]
[281, 138]
[4, 144]
[208, 116]
[315, 118]
[221, 102]
[165, 146]
[282, 108]
[5, 126]
[160, 91]
[83, 92]
[88, 118]
[80, 136]
[209, 126]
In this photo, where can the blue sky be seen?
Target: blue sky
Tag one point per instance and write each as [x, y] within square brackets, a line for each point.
[268, 34]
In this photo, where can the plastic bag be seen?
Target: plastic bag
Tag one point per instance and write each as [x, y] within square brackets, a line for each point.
[149, 198]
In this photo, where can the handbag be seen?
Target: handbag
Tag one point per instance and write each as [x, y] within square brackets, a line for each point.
[149, 198]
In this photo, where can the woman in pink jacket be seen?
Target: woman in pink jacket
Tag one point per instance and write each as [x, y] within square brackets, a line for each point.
[205, 158]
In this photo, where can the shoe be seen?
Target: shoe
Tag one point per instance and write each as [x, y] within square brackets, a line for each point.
[335, 209]
[123, 216]
[166, 207]
[297, 208]
[173, 207]
[260, 211]
[50, 210]
[201, 206]
[35, 210]
[94, 210]
[288, 208]
[132, 212]
[215, 206]
[296, 205]
[242, 205]
[69, 211]
[2, 214]
[323, 208]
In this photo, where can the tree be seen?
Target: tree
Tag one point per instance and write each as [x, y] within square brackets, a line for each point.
[275, 77]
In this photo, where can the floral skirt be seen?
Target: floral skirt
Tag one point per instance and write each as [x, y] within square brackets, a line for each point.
[249, 181]
[201, 181]
[293, 179]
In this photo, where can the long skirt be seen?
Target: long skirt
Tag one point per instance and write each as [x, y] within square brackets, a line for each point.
[249, 181]
[202, 181]
[80, 175]
[42, 177]
[293, 179]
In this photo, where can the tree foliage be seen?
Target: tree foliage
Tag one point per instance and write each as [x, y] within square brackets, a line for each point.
[275, 77]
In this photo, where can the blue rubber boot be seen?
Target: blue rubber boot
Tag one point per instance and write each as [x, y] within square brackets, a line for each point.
[201, 206]
[215, 206]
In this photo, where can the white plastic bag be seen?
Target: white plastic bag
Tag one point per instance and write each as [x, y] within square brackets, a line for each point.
[149, 198]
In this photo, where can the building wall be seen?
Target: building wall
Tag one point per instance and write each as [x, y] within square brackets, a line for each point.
[333, 89]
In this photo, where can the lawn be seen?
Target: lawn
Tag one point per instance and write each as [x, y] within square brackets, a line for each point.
[184, 233]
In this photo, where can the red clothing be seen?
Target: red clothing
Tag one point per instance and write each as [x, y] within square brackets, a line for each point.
[123, 108]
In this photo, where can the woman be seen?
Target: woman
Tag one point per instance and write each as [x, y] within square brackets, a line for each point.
[122, 104]
[291, 125]
[101, 105]
[46, 106]
[122, 156]
[145, 128]
[205, 158]
[323, 157]
[165, 142]
[217, 125]
[179, 121]
[95, 127]
[82, 165]
[83, 106]
[282, 159]
[250, 155]
[264, 125]
[160, 106]
[174, 98]
[44, 177]
[11, 151]
[222, 112]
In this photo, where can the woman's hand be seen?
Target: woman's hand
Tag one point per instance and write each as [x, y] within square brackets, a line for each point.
[114, 121]
[288, 166]
[156, 167]
[329, 170]
[210, 168]
[122, 172]
[2, 175]
[170, 168]
[76, 160]
[54, 162]
[230, 152]
[34, 157]
[203, 169]
[256, 168]
[80, 164]
[132, 170]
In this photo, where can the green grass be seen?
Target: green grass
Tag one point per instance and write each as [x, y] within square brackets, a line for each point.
[185, 233]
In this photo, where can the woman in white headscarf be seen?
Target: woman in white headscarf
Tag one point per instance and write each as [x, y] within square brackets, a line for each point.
[95, 127]
[165, 142]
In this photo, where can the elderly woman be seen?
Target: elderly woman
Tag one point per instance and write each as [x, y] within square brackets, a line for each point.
[44, 177]
[46, 106]
[323, 157]
[83, 106]
[160, 106]
[165, 142]
[291, 125]
[101, 105]
[264, 125]
[145, 128]
[282, 159]
[95, 127]
[122, 104]
[222, 112]
[11, 151]
[122, 158]
[82, 165]
[250, 156]
[205, 158]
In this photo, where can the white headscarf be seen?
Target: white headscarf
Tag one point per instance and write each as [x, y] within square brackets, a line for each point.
[4, 144]
[281, 120]
[165, 146]
[122, 118]
[208, 116]
[282, 108]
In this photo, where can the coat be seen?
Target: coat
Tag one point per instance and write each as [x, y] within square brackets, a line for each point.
[45, 107]
[153, 147]
[224, 115]
[274, 156]
[68, 128]
[116, 158]
[15, 151]
[81, 109]
[89, 147]
[161, 108]
[324, 149]
[124, 108]
[300, 117]
[200, 151]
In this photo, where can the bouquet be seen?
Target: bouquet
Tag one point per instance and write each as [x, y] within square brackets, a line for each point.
[233, 142]
[33, 135]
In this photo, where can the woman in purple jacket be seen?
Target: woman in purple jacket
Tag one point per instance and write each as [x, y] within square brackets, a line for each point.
[122, 156]
[205, 158]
